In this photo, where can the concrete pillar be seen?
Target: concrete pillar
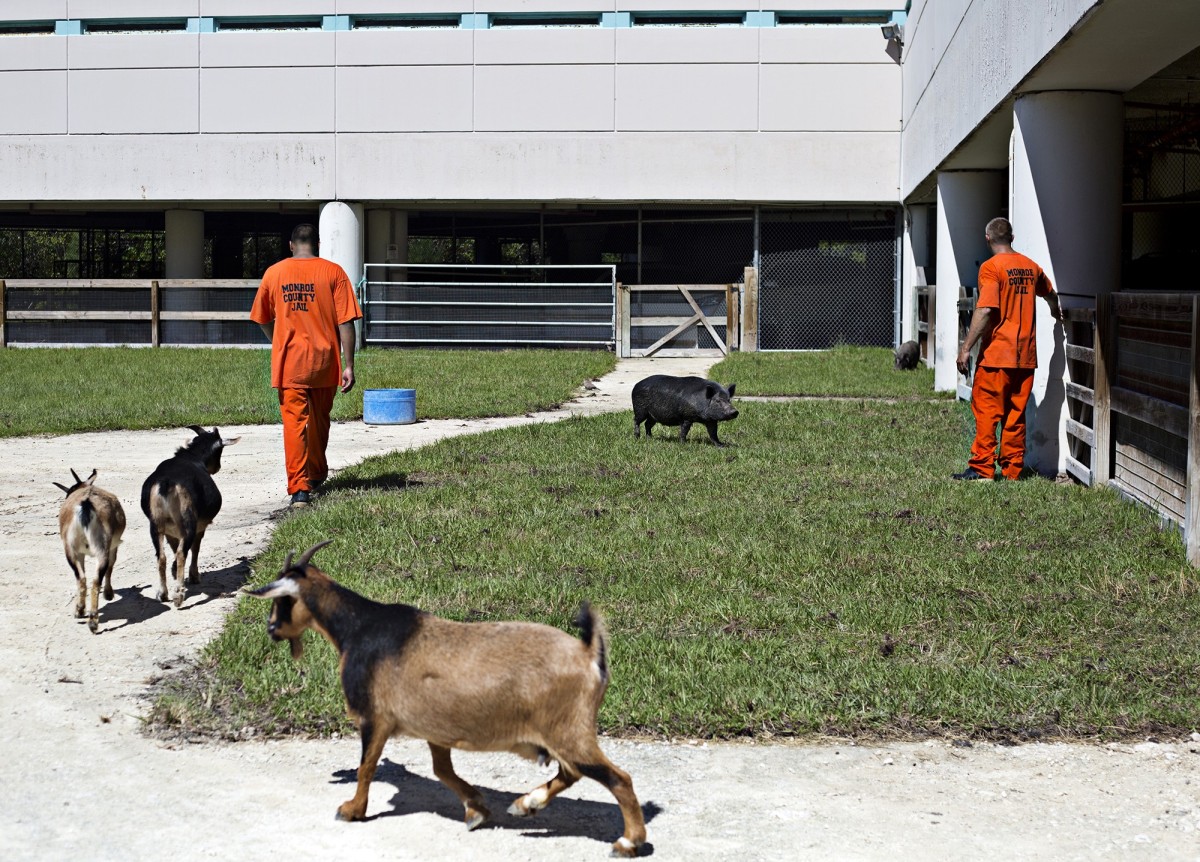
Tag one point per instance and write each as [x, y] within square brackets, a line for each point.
[1066, 215]
[340, 228]
[387, 236]
[967, 200]
[185, 244]
[916, 254]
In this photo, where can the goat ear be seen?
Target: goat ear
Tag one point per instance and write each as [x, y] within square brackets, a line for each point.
[90, 479]
[297, 646]
[196, 428]
[62, 488]
[230, 441]
[275, 589]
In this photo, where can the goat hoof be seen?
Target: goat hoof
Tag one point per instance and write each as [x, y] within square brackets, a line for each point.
[178, 599]
[476, 818]
[108, 594]
[93, 624]
[194, 579]
[160, 595]
[80, 613]
[624, 849]
[348, 815]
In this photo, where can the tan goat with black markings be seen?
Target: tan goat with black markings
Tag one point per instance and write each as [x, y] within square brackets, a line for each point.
[491, 686]
[90, 522]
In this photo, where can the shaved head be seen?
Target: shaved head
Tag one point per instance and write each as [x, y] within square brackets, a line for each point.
[999, 230]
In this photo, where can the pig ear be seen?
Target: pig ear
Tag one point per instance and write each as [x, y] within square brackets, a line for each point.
[275, 589]
[732, 387]
[710, 391]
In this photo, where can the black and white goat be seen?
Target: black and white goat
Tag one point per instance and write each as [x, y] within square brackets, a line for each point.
[491, 686]
[90, 522]
[180, 499]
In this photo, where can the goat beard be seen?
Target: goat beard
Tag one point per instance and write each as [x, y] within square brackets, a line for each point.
[297, 646]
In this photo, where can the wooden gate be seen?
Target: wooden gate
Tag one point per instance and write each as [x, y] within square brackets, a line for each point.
[631, 329]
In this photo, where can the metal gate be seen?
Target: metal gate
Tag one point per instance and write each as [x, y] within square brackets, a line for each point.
[489, 305]
[827, 278]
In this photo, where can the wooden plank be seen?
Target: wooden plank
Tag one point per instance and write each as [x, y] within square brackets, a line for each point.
[1142, 487]
[1081, 354]
[78, 315]
[1163, 414]
[1131, 460]
[1080, 432]
[1154, 306]
[1140, 496]
[155, 316]
[3, 315]
[218, 283]
[672, 288]
[1080, 393]
[922, 326]
[732, 319]
[209, 315]
[1078, 470]
[659, 321]
[622, 322]
[1082, 314]
[704, 321]
[1191, 526]
[1104, 354]
[77, 283]
[702, 352]
[1133, 452]
[656, 346]
[750, 310]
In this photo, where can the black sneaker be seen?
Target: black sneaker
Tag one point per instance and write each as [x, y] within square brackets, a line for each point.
[968, 475]
[300, 499]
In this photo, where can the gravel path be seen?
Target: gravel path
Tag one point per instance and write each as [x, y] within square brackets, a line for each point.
[79, 780]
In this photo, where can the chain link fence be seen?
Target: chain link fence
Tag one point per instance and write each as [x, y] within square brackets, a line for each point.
[827, 278]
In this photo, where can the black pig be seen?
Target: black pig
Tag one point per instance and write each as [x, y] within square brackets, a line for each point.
[908, 355]
[681, 401]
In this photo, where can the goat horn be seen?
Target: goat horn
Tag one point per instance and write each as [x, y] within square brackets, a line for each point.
[196, 428]
[302, 563]
[78, 481]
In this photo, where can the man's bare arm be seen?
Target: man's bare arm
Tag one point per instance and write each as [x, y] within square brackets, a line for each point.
[346, 336]
[983, 320]
[1055, 309]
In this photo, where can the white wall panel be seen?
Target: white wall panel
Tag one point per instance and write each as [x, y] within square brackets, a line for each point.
[266, 100]
[138, 101]
[167, 168]
[687, 44]
[543, 98]
[85, 9]
[411, 7]
[404, 99]
[255, 48]
[33, 52]
[720, 97]
[404, 47]
[688, 5]
[823, 45]
[787, 168]
[32, 10]
[542, 6]
[33, 103]
[134, 51]
[288, 8]
[842, 98]
[552, 45]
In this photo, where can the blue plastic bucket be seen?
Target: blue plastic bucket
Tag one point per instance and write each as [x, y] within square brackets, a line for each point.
[389, 406]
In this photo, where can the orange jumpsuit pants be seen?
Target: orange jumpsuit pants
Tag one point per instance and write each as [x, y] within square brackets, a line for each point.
[999, 397]
[305, 414]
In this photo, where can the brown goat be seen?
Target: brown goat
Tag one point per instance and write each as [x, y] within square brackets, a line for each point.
[505, 686]
[90, 522]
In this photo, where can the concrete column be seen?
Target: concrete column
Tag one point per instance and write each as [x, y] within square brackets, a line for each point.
[916, 254]
[967, 200]
[185, 244]
[340, 228]
[1066, 215]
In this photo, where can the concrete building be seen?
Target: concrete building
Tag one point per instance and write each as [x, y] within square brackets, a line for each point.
[678, 140]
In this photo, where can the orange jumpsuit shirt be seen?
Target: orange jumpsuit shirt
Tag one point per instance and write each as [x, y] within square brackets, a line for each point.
[307, 298]
[1010, 282]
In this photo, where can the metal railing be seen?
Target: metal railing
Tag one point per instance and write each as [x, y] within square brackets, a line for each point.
[489, 305]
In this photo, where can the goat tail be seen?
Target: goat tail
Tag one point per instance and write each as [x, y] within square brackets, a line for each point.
[595, 637]
[85, 512]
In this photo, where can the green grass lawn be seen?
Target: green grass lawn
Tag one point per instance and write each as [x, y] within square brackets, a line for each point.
[58, 391]
[821, 575]
[864, 372]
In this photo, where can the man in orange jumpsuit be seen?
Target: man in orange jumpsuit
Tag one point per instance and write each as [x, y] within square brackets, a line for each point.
[1003, 324]
[306, 307]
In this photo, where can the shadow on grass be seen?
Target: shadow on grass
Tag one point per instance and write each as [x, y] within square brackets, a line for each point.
[380, 482]
[564, 817]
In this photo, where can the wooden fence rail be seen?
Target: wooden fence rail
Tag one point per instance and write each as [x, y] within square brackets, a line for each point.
[150, 304]
[679, 324]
